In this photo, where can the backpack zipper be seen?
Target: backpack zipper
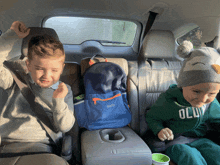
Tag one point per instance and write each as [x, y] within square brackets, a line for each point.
[98, 99]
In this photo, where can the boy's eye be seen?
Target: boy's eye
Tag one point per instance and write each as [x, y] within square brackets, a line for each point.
[55, 70]
[39, 68]
[195, 91]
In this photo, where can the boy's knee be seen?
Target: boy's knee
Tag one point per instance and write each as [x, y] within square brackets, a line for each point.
[175, 151]
[203, 142]
[184, 154]
[177, 148]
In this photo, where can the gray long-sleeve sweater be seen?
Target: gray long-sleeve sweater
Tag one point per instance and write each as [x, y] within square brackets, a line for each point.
[17, 121]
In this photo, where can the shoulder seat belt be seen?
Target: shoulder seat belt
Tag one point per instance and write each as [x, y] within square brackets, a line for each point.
[30, 97]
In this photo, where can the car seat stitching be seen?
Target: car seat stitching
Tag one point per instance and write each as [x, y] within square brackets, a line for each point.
[17, 160]
[167, 63]
[150, 62]
[133, 81]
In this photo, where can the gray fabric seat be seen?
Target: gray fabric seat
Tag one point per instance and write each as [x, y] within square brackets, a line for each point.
[96, 150]
[162, 69]
[37, 159]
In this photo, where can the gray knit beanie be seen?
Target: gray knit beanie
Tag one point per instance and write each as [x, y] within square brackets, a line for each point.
[199, 66]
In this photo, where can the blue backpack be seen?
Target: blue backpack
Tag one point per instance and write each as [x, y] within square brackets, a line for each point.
[105, 101]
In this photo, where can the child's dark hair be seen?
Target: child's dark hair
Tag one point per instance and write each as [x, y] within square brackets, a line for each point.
[44, 45]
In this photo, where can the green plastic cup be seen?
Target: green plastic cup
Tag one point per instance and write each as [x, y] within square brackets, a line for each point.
[160, 159]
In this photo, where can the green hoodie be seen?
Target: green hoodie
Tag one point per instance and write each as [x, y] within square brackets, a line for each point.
[173, 111]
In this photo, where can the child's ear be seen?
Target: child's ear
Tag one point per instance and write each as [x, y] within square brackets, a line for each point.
[28, 64]
[218, 50]
[63, 67]
[216, 42]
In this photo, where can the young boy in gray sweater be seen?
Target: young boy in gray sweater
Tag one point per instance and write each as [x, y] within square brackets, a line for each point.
[44, 65]
[190, 108]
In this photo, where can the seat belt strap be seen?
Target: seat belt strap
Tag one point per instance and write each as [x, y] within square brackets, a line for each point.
[36, 107]
[150, 22]
[142, 90]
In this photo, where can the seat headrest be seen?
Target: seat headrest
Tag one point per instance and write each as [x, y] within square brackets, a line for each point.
[71, 76]
[159, 44]
[34, 31]
[120, 61]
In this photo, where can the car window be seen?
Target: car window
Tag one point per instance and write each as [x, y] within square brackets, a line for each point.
[194, 36]
[76, 30]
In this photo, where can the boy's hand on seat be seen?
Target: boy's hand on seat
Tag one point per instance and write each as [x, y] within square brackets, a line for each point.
[61, 91]
[165, 134]
[20, 29]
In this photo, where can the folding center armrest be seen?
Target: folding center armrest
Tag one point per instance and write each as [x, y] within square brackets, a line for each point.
[114, 146]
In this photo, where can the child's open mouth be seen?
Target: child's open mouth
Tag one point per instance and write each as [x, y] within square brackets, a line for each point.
[45, 81]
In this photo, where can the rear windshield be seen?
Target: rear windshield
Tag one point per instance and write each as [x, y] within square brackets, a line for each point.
[76, 30]
[194, 36]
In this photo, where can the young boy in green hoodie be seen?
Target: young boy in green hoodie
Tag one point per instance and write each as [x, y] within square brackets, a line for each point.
[190, 108]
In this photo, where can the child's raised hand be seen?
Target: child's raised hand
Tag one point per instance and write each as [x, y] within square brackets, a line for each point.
[20, 29]
[61, 91]
[165, 134]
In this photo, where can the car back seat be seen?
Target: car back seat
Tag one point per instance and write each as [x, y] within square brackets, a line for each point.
[162, 70]
[133, 150]
[71, 76]
[162, 67]
[36, 159]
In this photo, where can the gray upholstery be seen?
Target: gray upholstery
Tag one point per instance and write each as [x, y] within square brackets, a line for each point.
[114, 147]
[159, 44]
[162, 69]
[132, 89]
[131, 150]
[29, 153]
[160, 75]
[71, 76]
[37, 159]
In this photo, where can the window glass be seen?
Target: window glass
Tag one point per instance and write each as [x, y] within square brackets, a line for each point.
[194, 36]
[75, 30]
